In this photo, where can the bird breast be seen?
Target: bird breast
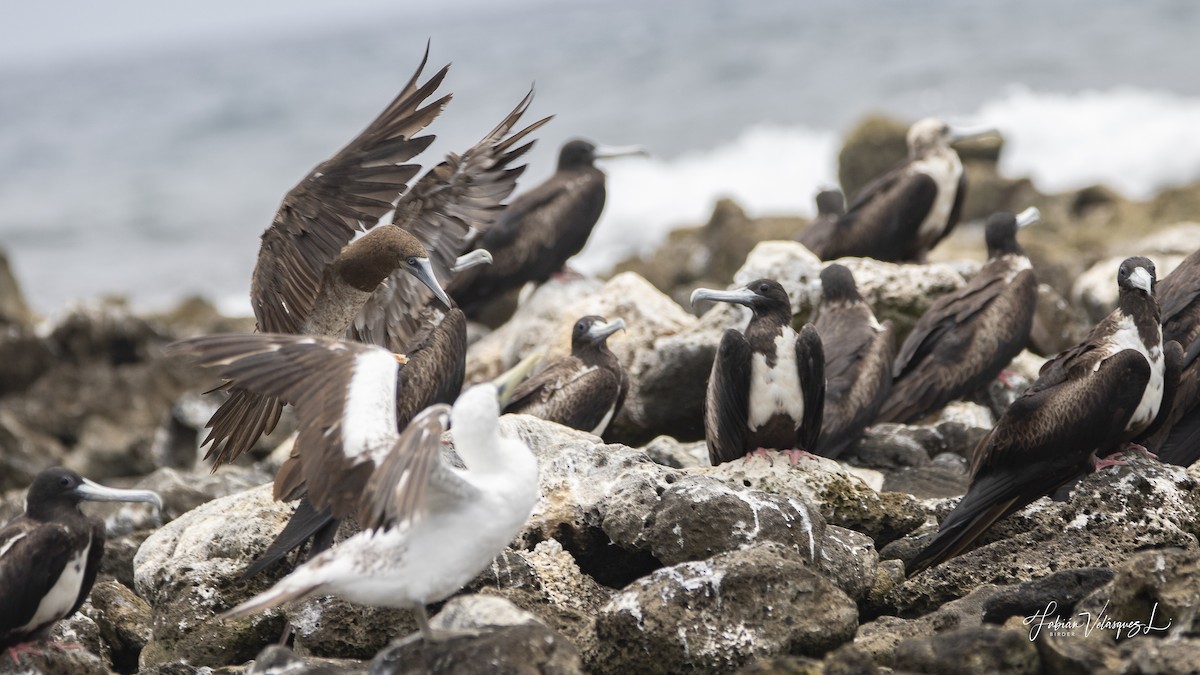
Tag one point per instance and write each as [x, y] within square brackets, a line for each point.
[1127, 337]
[62, 596]
[945, 168]
[775, 388]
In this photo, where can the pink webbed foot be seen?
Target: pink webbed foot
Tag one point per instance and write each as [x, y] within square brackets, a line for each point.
[797, 454]
[1106, 462]
[566, 274]
[1137, 448]
[17, 650]
[1009, 379]
[759, 452]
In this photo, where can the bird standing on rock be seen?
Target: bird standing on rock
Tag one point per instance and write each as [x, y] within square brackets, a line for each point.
[904, 213]
[1087, 403]
[541, 228]
[767, 386]
[967, 337]
[583, 390]
[49, 556]
[858, 361]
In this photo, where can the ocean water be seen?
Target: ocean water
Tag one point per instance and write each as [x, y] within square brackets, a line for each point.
[149, 167]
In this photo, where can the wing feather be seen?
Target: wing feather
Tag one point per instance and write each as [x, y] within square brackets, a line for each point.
[727, 405]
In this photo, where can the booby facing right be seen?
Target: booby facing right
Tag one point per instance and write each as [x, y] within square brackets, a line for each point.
[1087, 403]
[858, 361]
[967, 337]
[767, 387]
[902, 214]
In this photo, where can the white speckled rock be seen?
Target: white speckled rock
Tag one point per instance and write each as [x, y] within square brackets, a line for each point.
[902, 293]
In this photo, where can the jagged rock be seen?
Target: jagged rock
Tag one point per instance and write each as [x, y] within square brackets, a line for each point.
[330, 627]
[980, 649]
[123, 622]
[670, 452]
[79, 629]
[709, 616]
[842, 498]
[881, 638]
[117, 563]
[1110, 515]
[187, 572]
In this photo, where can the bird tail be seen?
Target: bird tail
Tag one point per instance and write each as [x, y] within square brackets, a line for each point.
[957, 534]
[306, 523]
[296, 586]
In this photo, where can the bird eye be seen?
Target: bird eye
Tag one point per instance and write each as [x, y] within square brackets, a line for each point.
[762, 288]
[64, 481]
[412, 261]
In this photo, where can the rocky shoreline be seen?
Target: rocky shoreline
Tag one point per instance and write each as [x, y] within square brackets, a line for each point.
[640, 557]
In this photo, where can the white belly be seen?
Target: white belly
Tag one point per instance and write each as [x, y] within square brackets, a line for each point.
[945, 169]
[776, 390]
[1127, 337]
[62, 596]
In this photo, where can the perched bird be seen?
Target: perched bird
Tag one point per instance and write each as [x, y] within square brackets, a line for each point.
[311, 278]
[430, 527]
[1088, 402]
[583, 390]
[831, 205]
[1178, 441]
[541, 228]
[767, 387]
[858, 361]
[902, 214]
[966, 338]
[49, 556]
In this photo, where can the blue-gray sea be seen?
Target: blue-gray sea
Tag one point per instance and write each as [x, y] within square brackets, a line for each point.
[150, 168]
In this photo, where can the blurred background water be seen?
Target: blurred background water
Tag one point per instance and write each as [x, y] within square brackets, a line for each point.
[144, 146]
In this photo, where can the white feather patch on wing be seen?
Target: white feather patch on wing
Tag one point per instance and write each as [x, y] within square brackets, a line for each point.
[369, 417]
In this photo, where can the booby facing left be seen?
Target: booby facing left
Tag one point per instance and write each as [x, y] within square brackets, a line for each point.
[49, 556]
[903, 213]
[766, 389]
[429, 527]
[1088, 402]
[583, 390]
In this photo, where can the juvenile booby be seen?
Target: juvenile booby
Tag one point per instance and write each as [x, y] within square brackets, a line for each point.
[1087, 403]
[966, 338]
[767, 387]
[430, 527]
[583, 390]
[858, 361]
[311, 278]
[831, 205]
[1178, 442]
[541, 228]
[902, 214]
[49, 556]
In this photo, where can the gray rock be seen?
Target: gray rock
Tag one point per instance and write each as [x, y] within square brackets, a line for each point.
[670, 452]
[946, 476]
[528, 648]
[473, 612]
[980, 649]
[13, 309]
[330, 627]
[278, 660]
[123, 622]
[187, 572]
[709, 616]
[882, 637]
[79, 629]
[1060, 590]
[24, 357]
[902, 293]
[849, 560]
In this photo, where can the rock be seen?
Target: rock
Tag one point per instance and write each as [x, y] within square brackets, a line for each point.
[1055, 594]
[1057, 324]
[849, 560]
[874, 145]
[902, 293]
[56, 662]
[841, 498]
[79, 629]
[1096, 289]
[670, 452]
[845, 660]
[881, 637]
[709, 616]
[1154, 589]
[471, 612]
[13, 310]
[123, 622]
[24, 451]
[24, 357]
[527, 648]
[330, 627]
[981, 649]
[187, 571]
[277, 659]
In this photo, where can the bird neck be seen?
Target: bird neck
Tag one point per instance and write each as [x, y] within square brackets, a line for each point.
[53, 511]
[1144, 311]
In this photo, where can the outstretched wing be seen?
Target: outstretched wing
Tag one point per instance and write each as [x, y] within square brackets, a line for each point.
[346, 193]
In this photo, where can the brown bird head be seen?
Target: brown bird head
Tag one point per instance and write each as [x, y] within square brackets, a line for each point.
[367, 261]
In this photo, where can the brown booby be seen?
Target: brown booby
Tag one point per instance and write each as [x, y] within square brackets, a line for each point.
[430, 527]
[311, 278]
[858, 361]
[583, 390]
[1178, 442]
[966, 338]
[767, 386]
[49, 556]
[541, 228]
[831, 205]
[1087, 403]
[902, 214]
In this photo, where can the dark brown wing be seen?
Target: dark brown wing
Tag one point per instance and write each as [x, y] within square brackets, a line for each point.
[727, 404]
[32, 557]
[1042, 441]
[456, 198]
[570, 393]
[885, 216]
[345, 193]
[330, 382]
[858, 377]
[810, 365]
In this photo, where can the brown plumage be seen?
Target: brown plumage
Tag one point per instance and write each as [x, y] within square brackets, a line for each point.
[967, 337]
[1178, 441]
[1086, 403]
[831, 205]
[858, 361]
[584, 390]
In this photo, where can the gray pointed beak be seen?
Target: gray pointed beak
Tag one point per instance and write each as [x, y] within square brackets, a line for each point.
[1028, 217]
[424, 273]
[472, 259]
[611, 151]
[511, 378]
[967, 133]
[600, 331]
[740, 296]
[94, 492]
